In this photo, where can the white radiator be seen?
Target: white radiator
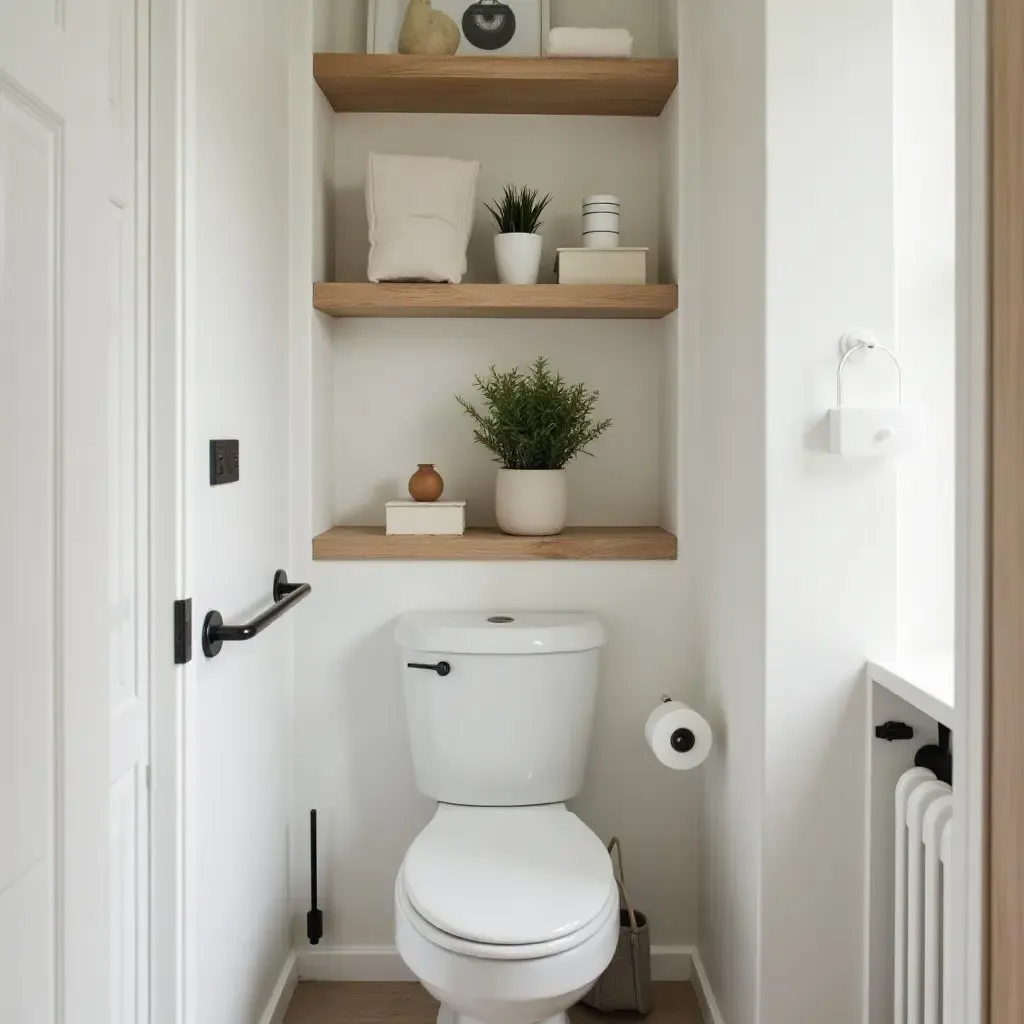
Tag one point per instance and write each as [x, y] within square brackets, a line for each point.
[924, 820]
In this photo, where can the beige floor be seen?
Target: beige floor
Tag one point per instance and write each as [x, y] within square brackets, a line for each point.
[349, 1003]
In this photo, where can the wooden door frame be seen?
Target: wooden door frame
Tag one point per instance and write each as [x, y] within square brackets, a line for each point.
[969, 983]
[1005, 881]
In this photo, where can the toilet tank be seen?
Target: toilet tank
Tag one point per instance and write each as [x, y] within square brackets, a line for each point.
[500, 707]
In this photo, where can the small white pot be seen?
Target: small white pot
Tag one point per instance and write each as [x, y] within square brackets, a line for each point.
[518, 257]
[532, 502]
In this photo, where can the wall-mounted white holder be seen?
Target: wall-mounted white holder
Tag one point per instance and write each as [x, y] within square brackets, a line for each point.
[872, 433]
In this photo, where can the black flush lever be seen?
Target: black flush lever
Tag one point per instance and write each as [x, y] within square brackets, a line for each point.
[442, 668]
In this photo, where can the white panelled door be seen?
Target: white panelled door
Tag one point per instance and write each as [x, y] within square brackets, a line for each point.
[73, 708]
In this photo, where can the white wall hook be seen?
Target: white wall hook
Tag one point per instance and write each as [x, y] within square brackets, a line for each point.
[872, 433]
[857, 339]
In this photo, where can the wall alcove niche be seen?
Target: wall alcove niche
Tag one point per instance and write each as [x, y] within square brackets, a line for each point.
[387, 360]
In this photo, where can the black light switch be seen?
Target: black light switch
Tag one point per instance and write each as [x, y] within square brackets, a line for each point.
[223, 462]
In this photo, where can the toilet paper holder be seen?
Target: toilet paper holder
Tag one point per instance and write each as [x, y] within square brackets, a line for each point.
[682, 740]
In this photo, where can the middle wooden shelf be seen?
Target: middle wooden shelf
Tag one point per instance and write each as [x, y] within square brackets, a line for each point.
[497, 301]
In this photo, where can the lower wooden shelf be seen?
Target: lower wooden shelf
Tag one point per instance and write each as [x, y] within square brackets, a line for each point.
[578, 543]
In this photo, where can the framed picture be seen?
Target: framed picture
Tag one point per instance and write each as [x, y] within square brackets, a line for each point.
[488, 28]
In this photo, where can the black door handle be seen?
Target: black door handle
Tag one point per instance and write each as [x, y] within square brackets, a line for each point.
[442, 668]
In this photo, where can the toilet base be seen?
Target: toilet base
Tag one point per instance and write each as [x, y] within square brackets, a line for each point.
[446, 1015]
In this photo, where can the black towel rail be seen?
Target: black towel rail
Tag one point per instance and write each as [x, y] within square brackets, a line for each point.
[286, 595]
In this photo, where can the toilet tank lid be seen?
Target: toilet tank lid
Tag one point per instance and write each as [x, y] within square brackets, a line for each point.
[499, 632]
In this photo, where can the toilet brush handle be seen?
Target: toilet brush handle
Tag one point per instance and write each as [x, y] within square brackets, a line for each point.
[315, 916]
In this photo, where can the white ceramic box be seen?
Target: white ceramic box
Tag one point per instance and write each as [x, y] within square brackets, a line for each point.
[601, 266]
[425, 519]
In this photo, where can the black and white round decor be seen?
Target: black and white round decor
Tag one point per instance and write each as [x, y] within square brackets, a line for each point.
[489, 24]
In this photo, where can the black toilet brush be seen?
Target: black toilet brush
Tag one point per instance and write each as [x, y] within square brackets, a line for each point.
[315, 917]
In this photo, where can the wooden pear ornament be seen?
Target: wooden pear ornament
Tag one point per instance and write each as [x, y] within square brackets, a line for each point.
[428, 32]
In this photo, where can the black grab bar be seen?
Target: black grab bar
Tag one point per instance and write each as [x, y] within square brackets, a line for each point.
[286, 595]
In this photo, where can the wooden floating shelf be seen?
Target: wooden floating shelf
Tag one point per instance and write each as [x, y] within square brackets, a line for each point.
[394, 83]
[498, 301]
[579, 543]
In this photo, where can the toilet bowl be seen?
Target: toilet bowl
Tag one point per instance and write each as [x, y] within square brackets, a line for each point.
[506, 915]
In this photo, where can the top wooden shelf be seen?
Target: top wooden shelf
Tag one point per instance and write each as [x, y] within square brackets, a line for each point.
[394, 83]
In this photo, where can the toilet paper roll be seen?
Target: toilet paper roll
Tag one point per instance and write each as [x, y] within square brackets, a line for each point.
[678, 735]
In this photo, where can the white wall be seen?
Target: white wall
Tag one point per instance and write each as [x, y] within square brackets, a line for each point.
[311, 257]
[354, 762]
[724, 218]
[237, 744]
[395, 383]
[390, 399]
[925, 169]
[798, 576]
[831, 523]
[569, 157]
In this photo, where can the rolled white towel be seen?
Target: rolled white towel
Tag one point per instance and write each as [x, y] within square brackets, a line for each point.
[590, 42]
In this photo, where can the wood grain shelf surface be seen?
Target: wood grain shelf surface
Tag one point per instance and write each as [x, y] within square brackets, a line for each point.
[497, 301]
[578, 543]
[395, 83]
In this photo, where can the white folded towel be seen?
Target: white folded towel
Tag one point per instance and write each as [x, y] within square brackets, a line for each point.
[590, 42]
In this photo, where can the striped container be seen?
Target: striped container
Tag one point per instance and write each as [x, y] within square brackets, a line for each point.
[601, 222]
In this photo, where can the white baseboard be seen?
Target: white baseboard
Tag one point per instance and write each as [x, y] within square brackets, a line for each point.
[671, 963]
[284, 989]
[352, 963]
[382, 963]
[702, 986]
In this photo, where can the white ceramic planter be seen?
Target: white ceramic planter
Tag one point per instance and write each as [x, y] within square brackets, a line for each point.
[532, 502]
[518, 258]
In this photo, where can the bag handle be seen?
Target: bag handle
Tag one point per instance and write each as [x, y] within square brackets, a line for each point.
[615, 852]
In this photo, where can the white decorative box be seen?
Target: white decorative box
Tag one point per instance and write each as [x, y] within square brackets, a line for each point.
[601, 266]
[425, 518]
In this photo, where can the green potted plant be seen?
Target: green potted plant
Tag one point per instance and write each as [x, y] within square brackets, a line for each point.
[518, 247]
[535, 424]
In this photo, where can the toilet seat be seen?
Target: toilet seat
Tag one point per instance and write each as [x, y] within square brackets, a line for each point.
[406, 912]
[508, 878]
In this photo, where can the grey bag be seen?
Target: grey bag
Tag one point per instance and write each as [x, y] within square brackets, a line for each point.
[626, 982]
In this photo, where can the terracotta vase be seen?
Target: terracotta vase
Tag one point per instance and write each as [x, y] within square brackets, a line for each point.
[426, 483]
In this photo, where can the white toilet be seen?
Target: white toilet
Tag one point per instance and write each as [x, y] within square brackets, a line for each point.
[506, 907]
